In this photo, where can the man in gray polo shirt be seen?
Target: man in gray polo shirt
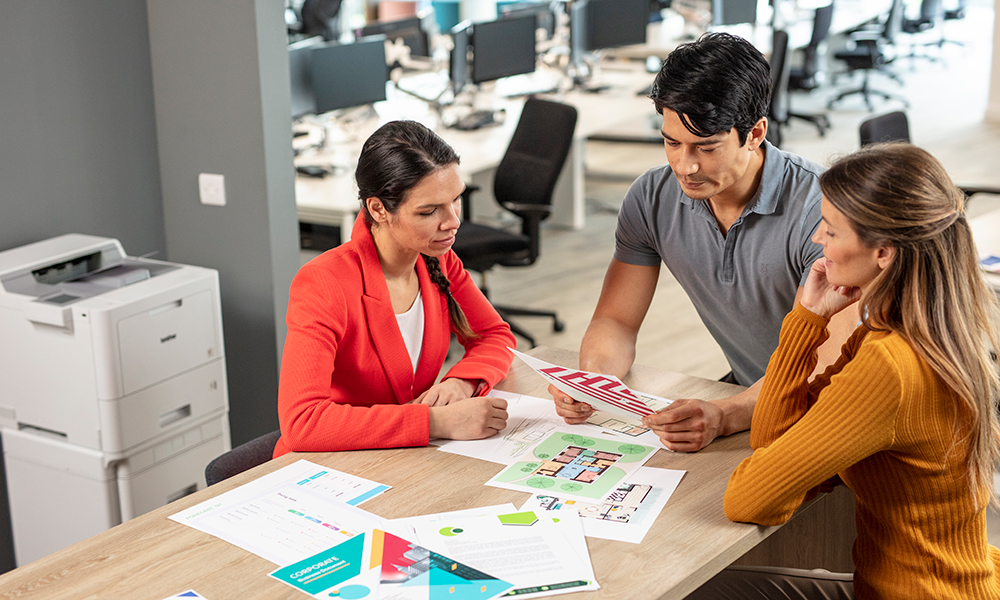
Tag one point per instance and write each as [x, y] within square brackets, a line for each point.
[731, 216]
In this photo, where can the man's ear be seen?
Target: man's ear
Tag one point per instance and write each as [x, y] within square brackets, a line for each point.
[756, 136]
[884, 256]
[377, 210]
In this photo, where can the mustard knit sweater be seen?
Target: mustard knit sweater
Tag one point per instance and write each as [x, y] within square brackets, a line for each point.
[882, 420]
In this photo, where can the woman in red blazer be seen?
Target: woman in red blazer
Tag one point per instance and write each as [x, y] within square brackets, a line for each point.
[349, 380]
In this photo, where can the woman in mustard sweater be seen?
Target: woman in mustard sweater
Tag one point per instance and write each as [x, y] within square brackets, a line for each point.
[907, 417]
[369, 322]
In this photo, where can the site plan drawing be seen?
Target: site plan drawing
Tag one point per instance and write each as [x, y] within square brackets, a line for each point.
[576, 466]
[626, 514]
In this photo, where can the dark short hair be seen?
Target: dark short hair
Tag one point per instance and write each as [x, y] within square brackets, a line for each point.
[395, 159]
[716, 83]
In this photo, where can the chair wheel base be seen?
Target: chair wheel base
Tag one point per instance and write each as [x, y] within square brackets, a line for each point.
[558, 326]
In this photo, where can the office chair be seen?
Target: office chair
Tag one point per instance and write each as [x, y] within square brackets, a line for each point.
[245, 456]
[319, 17]
[895, 127]
[868, 56]
[955, 13]
[523, 185]
[778, 110]
[806, 77]
[931, 16]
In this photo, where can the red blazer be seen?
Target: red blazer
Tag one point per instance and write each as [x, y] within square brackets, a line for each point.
[346, 376]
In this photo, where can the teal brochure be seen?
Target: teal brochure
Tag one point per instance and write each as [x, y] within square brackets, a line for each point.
[377, 564]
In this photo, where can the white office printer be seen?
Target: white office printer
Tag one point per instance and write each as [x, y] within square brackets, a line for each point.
[112, 386]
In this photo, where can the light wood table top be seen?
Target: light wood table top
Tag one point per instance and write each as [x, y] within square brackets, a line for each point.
[151, 557]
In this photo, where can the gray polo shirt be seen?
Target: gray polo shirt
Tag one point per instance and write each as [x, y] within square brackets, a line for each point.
[742, 284]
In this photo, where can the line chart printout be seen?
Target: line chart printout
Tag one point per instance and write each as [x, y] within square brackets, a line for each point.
[603, 392]
[287, 515]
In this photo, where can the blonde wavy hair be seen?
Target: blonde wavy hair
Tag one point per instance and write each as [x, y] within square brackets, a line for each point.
[933, 293]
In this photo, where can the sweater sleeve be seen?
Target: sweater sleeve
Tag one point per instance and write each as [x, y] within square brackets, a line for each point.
[803, 435]
[486, 358]
[311, 418]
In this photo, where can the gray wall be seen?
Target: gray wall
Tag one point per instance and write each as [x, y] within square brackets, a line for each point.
[77, 129]
[220, 79]
[109, 109]
[77, 133]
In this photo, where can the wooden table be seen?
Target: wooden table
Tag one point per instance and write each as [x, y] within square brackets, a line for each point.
[151, 557]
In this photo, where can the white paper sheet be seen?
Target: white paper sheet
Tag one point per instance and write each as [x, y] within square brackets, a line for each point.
[406, 527]
[627, 514]
[288, 515]
[540, 555]
[530, 420]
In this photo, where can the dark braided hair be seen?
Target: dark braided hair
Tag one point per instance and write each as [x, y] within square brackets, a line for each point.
[394, 160]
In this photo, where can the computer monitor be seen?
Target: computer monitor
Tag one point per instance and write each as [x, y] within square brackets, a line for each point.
[346, 75]
[542, 11]
[503, 48]
[300, 72]
[458, 68]
[409, 30]
[733, 12]
[600, 24]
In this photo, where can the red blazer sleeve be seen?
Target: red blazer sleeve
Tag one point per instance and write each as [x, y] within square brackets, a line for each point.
[486, 358]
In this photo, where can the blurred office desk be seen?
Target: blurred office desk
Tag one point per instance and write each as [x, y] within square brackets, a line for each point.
[333, 200]
[986, 233]
[151, 557]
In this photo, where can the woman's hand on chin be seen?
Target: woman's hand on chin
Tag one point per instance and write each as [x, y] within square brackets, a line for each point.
[823, 298]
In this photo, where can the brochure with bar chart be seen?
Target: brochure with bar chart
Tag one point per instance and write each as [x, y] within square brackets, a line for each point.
[603, 392]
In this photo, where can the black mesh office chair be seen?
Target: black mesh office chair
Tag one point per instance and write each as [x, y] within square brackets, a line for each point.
[931, 16]
[806, 77]
[895, 127]
[778, 110]
[245, 456]
[953, 13]
[524, 183]
[868, 56]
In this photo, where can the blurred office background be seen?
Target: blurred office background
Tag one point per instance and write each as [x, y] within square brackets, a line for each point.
[110, 109]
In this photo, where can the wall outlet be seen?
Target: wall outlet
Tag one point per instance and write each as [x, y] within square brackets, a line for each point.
[212, 189]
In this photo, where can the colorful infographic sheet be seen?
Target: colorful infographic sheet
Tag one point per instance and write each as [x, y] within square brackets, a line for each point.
[603, 392]
[627, 514]
[376, 564]
[289, 514]
[539, 554]
[575, 466]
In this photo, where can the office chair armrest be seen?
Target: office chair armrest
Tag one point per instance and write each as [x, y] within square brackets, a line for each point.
[540, 211]
[467, 201]
[865, 39]
[971, 190]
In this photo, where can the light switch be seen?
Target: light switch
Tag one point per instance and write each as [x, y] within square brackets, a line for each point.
[212, 189]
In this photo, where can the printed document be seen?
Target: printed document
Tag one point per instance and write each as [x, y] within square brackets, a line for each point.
[290, 514]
